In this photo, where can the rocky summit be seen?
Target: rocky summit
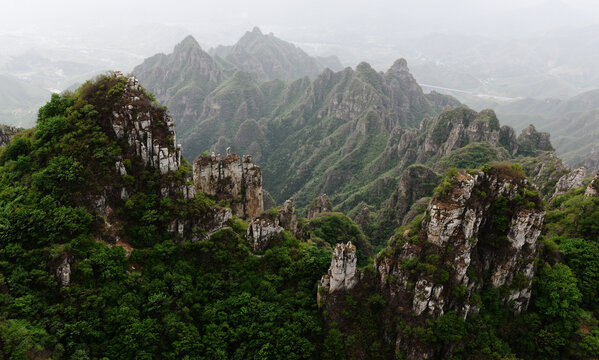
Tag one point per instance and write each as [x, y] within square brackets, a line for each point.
[480, 231]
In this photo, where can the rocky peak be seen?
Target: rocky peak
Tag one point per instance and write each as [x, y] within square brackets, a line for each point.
[181, 80]
[457, 127]
[593, 187]
[187, 44]
[343, 273]
[480, 230]
[149, 131]
[233, 179]
[530, 141]
[287, 216]
[400, 65]
[570, 181]
[320, 204]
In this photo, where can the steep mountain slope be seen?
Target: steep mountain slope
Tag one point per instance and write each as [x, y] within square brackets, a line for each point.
[437, 268]
[349, 134]
[19, 101]
[267, 57]
[181, 80]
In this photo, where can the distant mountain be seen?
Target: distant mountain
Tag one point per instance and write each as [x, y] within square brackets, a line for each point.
[19, 101]
[349, 134]
[573, 123]
[267, 57]
[181, 80]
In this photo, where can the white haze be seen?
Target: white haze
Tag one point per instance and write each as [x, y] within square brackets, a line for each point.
[505, 49]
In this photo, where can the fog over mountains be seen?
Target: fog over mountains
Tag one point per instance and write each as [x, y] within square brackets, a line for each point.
[521, 53]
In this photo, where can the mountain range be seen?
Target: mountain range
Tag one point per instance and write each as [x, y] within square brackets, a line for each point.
[350, 134]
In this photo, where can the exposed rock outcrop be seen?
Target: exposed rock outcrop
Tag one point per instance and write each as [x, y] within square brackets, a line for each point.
[570, 181]
[320, 204]
[232, 179]
[479, 232]
[593, 187]
[150, 132]
[287, 217]
[544, 170]
[343, 273]
[63, 272]
[530, 141]
[264, 229]
[261, 231]
[6, 133]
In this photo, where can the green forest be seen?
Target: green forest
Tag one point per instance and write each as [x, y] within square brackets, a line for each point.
[214, 298]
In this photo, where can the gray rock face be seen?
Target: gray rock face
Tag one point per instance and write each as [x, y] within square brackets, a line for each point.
[261, 231]
[570, 181]
[63, 272]
[343, 273]
[461, 126]
[264, 229]
[530, 141]
[231, 178]
[320, 205]
[457, 250]
[287, 217]
[6, 133]
[460, 223]
[137, 122]
[593, 187]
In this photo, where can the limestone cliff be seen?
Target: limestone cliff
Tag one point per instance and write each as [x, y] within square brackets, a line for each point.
[149, 131]
[570, 181]
[343, 273]
[479, 231]
[319, 205]
[593, 187]
[233, 179]
[268, 226]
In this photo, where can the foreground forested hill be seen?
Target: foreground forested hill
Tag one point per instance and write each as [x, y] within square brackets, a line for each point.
[90, 266]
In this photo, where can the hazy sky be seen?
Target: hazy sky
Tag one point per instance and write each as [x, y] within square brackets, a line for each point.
[222, 20]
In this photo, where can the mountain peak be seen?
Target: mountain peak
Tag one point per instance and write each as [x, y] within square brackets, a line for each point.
[400, 65]
[188, 43]
[256, 30]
